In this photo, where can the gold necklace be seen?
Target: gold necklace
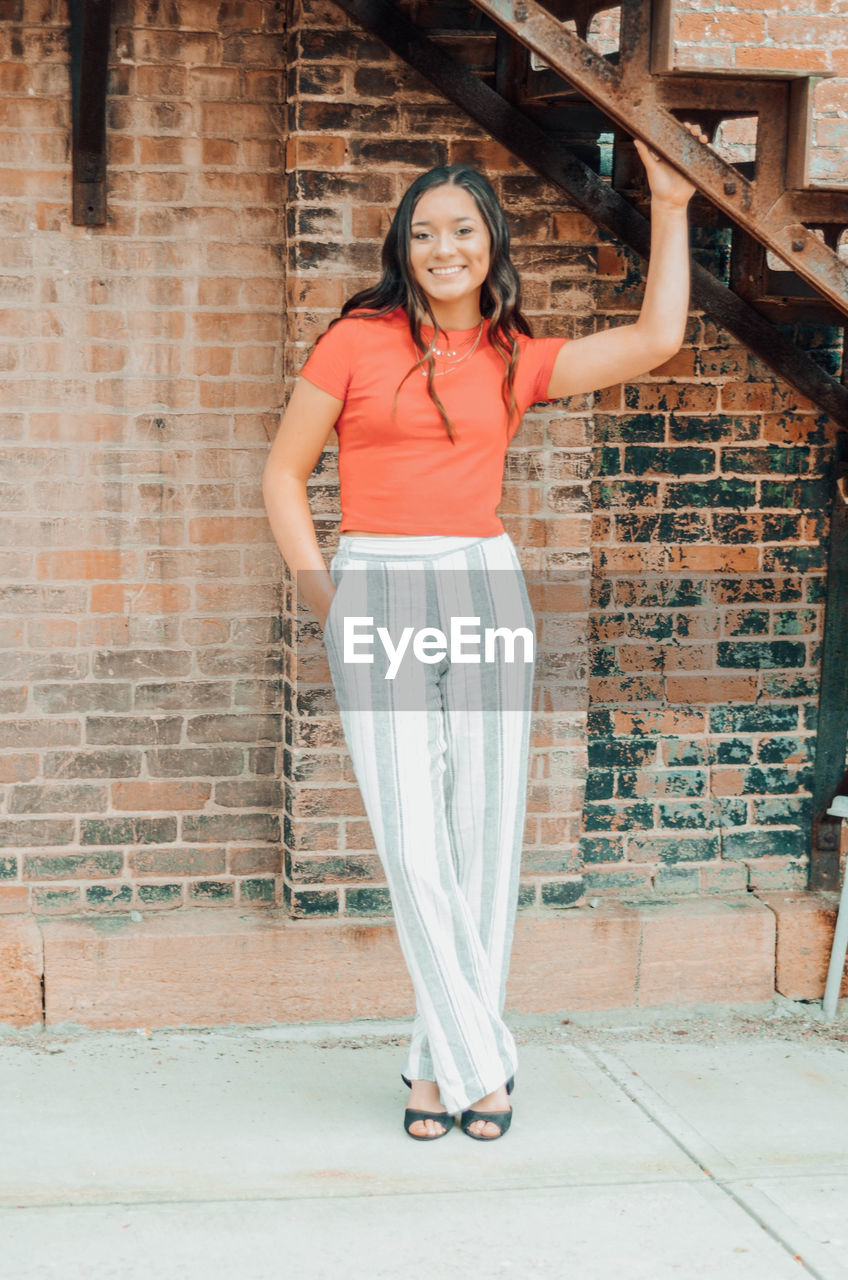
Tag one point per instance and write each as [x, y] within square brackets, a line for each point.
[439, 373]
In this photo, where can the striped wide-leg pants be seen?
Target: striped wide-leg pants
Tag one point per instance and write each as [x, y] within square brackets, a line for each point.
[439, 745]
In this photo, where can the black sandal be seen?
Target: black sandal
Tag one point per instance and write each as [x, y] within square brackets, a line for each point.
[442, 1117]
[502, 1119]
[410, 1116]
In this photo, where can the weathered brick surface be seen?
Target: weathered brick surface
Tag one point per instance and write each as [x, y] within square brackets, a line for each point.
[156, 684]
[141, 378]
[703, 512]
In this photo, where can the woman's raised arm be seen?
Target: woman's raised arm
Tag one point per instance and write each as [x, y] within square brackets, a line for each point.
[616, 355]
[307, 422]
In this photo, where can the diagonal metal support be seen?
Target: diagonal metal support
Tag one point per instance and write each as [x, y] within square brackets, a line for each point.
[632, 99]
[596, 198]
[90, 35]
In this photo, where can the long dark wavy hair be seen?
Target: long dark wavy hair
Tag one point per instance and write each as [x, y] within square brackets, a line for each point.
[500, 296]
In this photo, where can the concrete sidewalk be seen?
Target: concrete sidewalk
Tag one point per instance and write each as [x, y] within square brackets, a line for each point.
[687, 1144]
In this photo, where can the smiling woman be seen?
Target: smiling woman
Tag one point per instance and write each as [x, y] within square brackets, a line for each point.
[421, 464]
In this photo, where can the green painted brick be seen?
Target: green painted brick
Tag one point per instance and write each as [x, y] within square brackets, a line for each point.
[608, 461]
[664, 593]
[212, 890]
[781, 528]
[752, 718]
[689, 428]
[734, 751]
[733, 811]
[672, 879]
[687, 815]
[714, 493]
[613, 880]
[159, 894]
[128, 830]
[99, 894]
[311, 902]
[625, 817]
[684, 526]
[794, 559]
[617, 753]
[73, 866]
[783, 811]
[526, 897]
[816, 590]
[798, 495]
[601, 849]
[600, 784]
[368, 902]
[601, 590]
[562, 893]
[683, 752]
[790, 842]
[794, 622]
[751, 590]
[771, 459]
[599, 723]
[749, 622]
[678, 782]
[684, 849]
[679, 461]
[637, 527]
[776, 750]
[258, 889]
[8, 868]
[624, 493]
[785, 684]
[756, 654]
[775, 781]
[735, 528]
[604, 660]
[631, 428]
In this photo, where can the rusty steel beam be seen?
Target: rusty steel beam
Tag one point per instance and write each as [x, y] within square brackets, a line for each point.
[631, 99]
[90, 34]
[551, 159]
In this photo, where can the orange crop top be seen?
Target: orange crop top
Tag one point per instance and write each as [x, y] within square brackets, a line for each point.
[406, 475]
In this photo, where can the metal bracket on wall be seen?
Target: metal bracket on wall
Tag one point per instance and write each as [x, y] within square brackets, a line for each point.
[832, 733]
[91, 29]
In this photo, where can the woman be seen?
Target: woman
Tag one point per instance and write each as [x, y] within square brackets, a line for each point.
[426, 377]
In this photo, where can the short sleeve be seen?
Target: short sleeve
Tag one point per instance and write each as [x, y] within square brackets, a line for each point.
[329, 364]
[541, 354]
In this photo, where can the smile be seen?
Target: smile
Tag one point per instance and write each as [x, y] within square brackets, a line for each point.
[446, 271]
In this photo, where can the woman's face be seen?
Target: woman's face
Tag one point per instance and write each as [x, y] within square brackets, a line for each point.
[450, 246]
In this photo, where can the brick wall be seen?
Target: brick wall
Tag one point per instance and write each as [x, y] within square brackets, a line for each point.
[144, 688]
[141, 380]
[706, 539]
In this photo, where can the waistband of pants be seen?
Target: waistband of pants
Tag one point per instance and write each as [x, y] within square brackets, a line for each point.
[410, 546]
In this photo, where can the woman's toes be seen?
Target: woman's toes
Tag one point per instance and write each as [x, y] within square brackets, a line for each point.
[426, 1128]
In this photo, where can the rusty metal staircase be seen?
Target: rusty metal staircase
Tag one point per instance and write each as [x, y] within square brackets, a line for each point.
[527, 74]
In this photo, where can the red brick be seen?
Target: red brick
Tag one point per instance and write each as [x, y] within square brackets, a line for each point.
[160, 796]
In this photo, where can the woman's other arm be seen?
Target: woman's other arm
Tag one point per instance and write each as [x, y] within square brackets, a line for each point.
[307, 422]
[616, 355]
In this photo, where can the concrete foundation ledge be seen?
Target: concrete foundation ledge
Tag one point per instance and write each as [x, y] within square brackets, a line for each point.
[216, 967]
[805, 927]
